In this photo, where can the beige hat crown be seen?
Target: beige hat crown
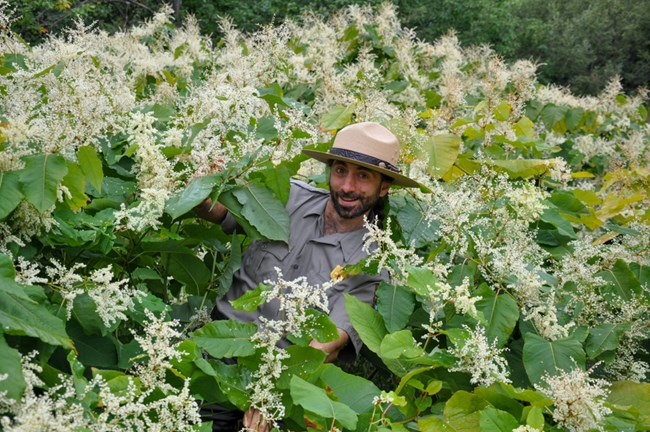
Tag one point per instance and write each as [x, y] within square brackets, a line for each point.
[370, 145]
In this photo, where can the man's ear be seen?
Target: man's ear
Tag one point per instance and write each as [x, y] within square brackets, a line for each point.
[385, 187]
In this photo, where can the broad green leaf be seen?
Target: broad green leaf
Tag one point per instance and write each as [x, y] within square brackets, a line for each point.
[442, 151]
[251, 300]
[226, 338]
[433, 424]
[194, 194]
[7, 269]
[552, 115]
[354, 391]
[303, 361]
[21, 315]
[422, 281]
[604, 337]
[338, 117]
[314, 399]
[400, 344]
[95, 351]
[320, 326]
[535, 417]
[189, 270]
[263, 211]
[277, 179]
[501, 313]
[91, 166]
[494, 420]
[10, 192]
[628, 393]
[521, 168]
[548, 357]
[502, 111]
[10, 366]
[75, 181]
[416, 229]
[367, 322]
[40, 179]
[395, 305]
[525, 127]
[623, 283]
[462, 411]
[562, 225]
[233, 381]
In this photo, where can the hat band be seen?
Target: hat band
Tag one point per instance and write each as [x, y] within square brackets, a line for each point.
[351, 154]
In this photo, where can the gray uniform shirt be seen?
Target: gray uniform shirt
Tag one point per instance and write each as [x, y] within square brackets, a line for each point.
[310, 254]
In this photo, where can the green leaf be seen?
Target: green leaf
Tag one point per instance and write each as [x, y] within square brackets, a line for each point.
[552, 115]
[367, 322]
[7, 269]
[628, 393]
[75, 181]
[422, 281]
[278, 180]
[494, 420]
[21, 315]
[462, 411]
[442, 151]
[521, 168]
[604, 337]
[41, 178]
[354, 391]
[501, 313]
[226, 338]
[562, 225]
[338, 117]
[395, 305]
[260, 209]
[314, 399]
[400, 344]
[91, 166]
[303, 361]
[547, 357]
[194, 194]
[320, 326]
[623, 283]
[416, 230]
[535, 417]
[10, 192]
[10, 365]
[251, 300]
[189, 270]
[95, 351]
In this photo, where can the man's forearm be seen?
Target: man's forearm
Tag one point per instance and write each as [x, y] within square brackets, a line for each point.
[213, 213]
[333, 348]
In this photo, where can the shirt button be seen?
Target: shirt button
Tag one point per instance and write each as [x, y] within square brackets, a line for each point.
[295, 266]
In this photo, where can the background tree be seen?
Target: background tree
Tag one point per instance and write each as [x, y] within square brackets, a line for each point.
[581, 44]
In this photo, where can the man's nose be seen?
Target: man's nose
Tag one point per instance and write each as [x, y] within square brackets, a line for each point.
[348, 184]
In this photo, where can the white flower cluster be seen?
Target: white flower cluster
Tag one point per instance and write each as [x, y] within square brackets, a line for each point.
[480, 359]
[579, 399]
[388, 254]
[142, 405]
[159, 344]
[112, 298]
[294, 298]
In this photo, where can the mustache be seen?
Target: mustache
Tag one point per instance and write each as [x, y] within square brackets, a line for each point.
[349, 196]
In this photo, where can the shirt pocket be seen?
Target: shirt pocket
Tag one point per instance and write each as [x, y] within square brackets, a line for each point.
[263, 256]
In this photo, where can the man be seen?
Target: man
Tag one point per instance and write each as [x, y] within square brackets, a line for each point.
[326, 230]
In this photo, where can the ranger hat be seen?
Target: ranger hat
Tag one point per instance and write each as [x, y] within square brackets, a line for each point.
[370, 145]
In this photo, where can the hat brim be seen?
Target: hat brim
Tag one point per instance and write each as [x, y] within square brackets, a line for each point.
[398, 179]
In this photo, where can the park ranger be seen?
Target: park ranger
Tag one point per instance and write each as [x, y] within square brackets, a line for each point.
[326, 231]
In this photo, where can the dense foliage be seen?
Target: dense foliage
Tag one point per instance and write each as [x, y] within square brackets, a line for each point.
[581, 43]
[519, 272]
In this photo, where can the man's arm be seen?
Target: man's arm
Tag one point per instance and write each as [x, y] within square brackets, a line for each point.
[207, 211]
[333, 348]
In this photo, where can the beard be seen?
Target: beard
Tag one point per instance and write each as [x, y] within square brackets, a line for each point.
[362, 206]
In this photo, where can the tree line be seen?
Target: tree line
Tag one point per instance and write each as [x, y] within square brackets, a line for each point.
[581, 44]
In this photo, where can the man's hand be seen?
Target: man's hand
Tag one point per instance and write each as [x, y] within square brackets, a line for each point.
[333, 348]
[211, 213]
[254, 422]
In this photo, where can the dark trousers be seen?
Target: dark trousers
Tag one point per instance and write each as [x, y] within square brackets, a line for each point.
[223, 419]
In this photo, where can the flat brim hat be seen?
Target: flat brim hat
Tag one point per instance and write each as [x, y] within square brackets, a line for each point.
[370, 145]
